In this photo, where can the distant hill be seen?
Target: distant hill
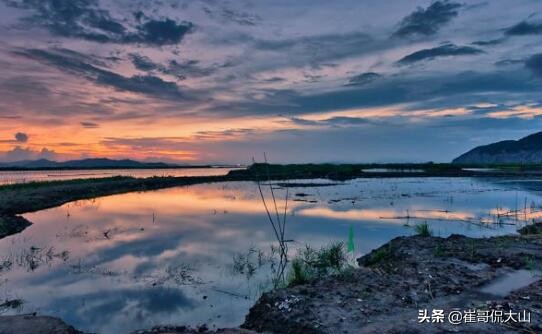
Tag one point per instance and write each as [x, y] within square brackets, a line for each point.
[527, 150]
[83, 164]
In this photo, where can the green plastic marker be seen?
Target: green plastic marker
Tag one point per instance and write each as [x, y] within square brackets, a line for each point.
[350, 245]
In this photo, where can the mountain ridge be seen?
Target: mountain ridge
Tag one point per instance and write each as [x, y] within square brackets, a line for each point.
[527, 150]
[84, 163]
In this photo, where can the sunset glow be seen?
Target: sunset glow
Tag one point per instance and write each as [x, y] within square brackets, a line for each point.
[211, 82]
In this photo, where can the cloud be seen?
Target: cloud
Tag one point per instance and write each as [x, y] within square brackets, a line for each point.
[159, 32]
[145, 84]
[19, 153]
[490, 42]
[90, 125]
[409, 92]
[534, 63]
[21, 137]
[317, 50]
[524, 28]
[189, 68]
[427, 22]
[178, 69]
[143, 63]
[445, 50]
[230, 15]
[84, 19]
[509, 62]
[363, 79]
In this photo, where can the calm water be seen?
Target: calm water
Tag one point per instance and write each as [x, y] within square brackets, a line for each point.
[10, 177]
[126, 262]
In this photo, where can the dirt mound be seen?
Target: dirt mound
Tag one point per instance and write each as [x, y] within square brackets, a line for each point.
[409, 275]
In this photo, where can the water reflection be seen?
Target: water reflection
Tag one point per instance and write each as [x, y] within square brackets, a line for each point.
[11, 177]
[200, 254]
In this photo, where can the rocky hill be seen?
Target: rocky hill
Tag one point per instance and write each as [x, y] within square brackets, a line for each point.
[527, 150]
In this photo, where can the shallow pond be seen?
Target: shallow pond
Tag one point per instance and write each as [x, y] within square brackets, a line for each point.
[201, 254]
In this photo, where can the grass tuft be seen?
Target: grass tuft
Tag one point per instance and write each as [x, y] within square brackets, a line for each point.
[311, 264]
[423, 230]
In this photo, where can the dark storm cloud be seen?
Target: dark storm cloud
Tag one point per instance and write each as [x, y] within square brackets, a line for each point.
[534, 63]
[524, 28]
[146, 84]
[445, 50]
[363, 79]
[21, 137]
[426, 22]
[86, 20]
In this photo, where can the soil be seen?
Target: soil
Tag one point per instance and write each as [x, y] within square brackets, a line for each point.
[31, 324]
[409, 274]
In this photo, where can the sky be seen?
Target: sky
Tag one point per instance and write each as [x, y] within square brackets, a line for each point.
[210, 81]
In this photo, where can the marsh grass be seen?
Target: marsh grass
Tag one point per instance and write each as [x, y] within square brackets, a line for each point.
[423, 230]
[11, 304]
[250, 262]
[311, 264]
[277, 219]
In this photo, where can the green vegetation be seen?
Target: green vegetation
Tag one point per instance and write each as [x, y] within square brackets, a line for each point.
[472, 249]
[423, 230]
[529, 262]
[311, 264]
[248, 263]
[379, 255]
[531, 229]
[440, 251]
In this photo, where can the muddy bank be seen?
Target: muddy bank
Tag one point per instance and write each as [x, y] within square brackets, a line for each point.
[10, 224]
[26, 324]
[409, 274]
[188, 330]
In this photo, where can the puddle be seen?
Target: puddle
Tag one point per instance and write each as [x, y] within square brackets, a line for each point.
[515, 280]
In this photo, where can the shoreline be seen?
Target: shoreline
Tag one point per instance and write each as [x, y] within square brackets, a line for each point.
[21, 198]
